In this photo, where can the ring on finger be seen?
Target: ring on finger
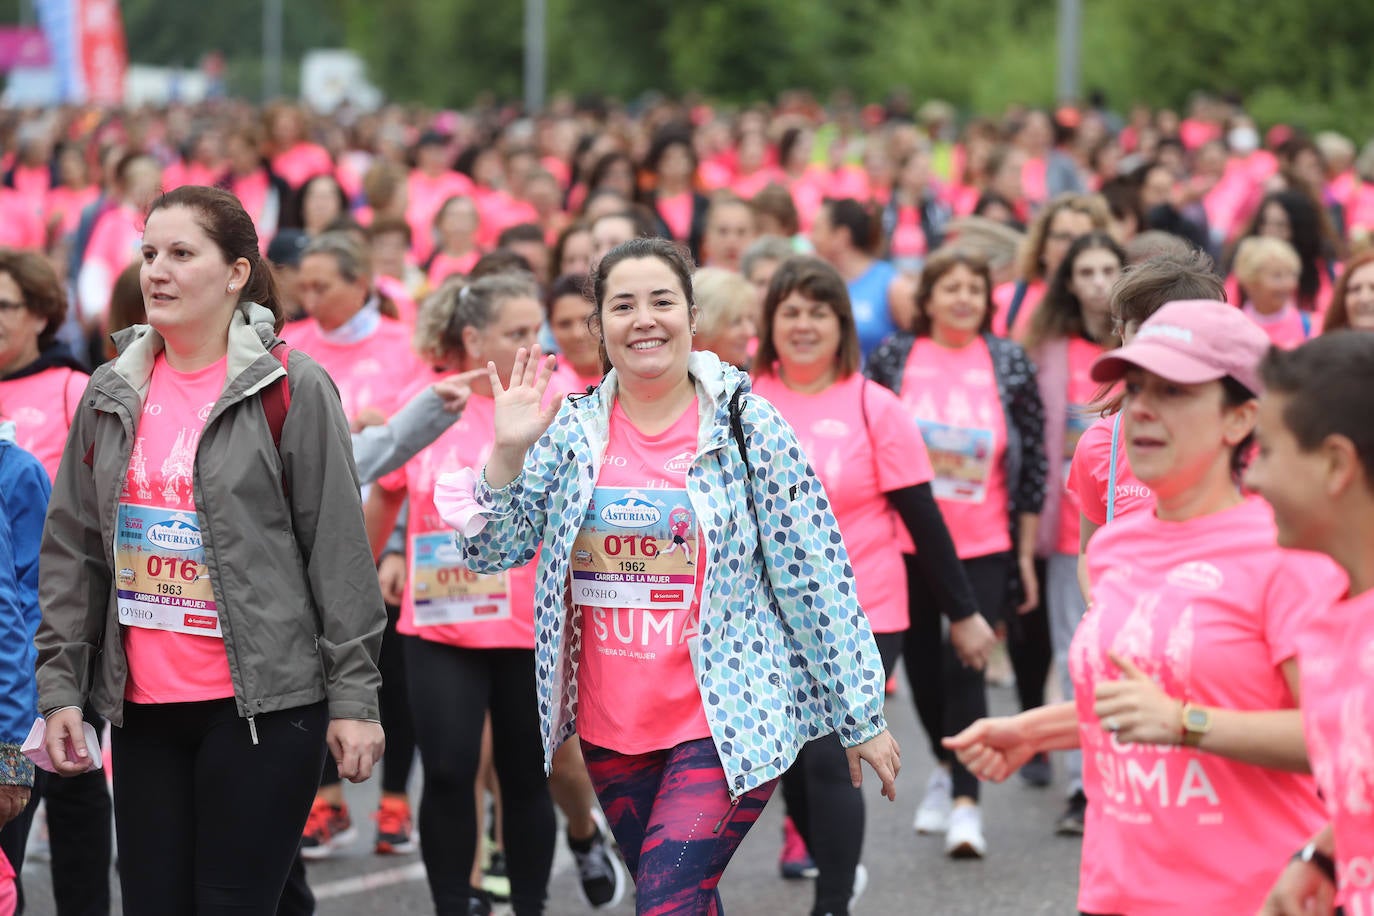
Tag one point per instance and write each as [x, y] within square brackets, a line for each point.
[1110, 724]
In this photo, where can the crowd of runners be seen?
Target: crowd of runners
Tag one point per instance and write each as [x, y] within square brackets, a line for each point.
[609, 464]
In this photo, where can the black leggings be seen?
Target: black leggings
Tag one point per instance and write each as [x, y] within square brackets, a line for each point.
[950, 696]
[1030, 648]
[455, 687]
[399, 755]
[826, 808]
[207, 820]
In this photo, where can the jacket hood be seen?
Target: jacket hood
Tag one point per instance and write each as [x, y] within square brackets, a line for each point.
[716, 383]
[251, 335]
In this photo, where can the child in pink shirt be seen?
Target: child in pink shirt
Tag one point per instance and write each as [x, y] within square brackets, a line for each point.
[1314, 466]
[1267, 271]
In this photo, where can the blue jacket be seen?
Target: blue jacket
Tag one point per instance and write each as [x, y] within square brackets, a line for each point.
[785, 655]
[24, 490]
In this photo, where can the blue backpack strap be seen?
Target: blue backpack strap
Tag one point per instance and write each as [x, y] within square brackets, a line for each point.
[1306, 323]
[1111, 468]
[1018, 296]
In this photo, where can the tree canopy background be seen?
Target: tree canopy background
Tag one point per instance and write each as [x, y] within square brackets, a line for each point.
[1304, 63]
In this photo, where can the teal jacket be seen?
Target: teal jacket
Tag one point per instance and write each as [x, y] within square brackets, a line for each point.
[785, 654]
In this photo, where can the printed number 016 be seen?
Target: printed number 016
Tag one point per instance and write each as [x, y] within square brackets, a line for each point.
[642, 546]
[172, 568]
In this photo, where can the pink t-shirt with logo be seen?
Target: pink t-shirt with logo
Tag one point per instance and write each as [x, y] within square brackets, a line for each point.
[42, 407]
[861, 450]
[1336, 657]
[1081, 391]
[169, 667]
[1284, 328]
[640, 545]
[443, 601]
[1210, 609]
[952, 394]
[369, 373]
[1090, 475]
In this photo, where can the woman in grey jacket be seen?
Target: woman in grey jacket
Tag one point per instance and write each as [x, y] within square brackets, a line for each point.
[206, 579]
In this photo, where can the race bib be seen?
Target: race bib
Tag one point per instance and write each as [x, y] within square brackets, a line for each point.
[162, 579]
[636, 549]
[961, 459]
[445, 592]
[1076, 423]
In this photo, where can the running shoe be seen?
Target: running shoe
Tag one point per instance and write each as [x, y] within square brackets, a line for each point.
[964, 840]
[495, 878]
[1070, 823]
[328, 829]
[395, 829]
[600, 874]
[932, 816]
[860, 884]
[1037, 771]
[479, 904]
[795, 862]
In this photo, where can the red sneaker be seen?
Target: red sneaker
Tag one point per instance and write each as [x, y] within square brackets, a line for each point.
[327, 830]
[395, 830]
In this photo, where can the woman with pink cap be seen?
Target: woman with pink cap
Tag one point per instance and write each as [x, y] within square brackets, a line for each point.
[1184, 666]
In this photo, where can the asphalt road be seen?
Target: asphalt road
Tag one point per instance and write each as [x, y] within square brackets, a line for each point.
[1028, 870]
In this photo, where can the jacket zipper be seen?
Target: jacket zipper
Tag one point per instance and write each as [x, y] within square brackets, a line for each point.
[253, 729]
[729, 814]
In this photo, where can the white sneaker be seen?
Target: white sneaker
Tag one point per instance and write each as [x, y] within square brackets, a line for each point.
[860, 884]
[932, 816]
[964, 840]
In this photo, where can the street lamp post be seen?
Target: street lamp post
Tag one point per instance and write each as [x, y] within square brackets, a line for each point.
[535, 55]
[1068, 83]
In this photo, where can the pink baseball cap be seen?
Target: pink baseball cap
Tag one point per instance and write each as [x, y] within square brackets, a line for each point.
[1191, 342]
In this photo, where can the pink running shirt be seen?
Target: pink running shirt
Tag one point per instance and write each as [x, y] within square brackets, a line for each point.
[369, 373]
[171, 624]
[301, 163]
[859, 461]
[1081, 391]
[444, 602]
[952, 394]
[42, 407]
[1210, 609]
[636, 685]
[1336, 656]
[1002, 297]
[1284, 328]
[1091, 471]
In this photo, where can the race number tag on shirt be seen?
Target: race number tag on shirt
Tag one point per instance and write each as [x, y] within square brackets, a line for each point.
[961, 459]
[446, 592]
[1076, 422]
[163, 580]
[636, 550]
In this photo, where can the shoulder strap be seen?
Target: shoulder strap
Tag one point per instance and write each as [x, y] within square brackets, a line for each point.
[1306, 318]
[1018, 296]
[276, 398]
[1111, 468]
